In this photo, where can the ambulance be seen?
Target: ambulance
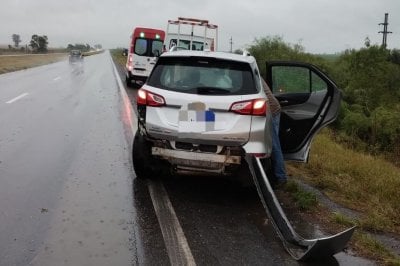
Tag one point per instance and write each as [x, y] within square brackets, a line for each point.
[145, 47]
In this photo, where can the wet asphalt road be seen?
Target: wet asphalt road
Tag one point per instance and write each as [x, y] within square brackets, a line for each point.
[68, 193]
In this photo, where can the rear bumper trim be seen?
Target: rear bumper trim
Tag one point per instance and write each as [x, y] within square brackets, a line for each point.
[201, 158]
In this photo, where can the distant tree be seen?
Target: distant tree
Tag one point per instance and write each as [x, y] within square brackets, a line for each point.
[275, 48]
[367, 42]
[39, 43]
[79, 46]
[16, 39]
[395, 56]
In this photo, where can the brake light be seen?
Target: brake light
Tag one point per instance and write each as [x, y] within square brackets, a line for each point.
[250, 107]
[149, 99]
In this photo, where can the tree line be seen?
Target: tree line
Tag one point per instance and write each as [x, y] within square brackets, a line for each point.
[370, 81]
[39, 44]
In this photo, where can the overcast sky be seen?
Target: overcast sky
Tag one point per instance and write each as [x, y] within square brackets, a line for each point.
[321, 26]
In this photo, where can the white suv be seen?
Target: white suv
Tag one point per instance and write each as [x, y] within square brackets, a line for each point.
[204, 111]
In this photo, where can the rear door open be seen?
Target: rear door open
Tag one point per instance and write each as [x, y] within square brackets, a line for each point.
[309, 99]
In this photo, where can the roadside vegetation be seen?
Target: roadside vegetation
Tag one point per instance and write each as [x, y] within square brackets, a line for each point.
[361, 182]
[17, 58]
[370, 82]
[356, 161]
[19, 62]
[118, 56]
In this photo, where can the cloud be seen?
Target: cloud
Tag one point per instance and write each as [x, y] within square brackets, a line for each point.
[321, 26]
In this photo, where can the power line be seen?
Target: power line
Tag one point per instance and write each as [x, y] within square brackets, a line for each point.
[385, 31]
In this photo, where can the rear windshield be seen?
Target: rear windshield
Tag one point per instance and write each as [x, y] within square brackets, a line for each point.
[199, 75]
[148, 47]
[185, 44]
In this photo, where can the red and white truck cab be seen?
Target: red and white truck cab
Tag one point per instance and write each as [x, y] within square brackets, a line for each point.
[145, 46]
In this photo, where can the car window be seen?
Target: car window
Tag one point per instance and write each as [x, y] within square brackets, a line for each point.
[185, 44]
[318, 84]
[140, 46]
[156, 46]
[296, 80]
[290, 80]
[203, 76]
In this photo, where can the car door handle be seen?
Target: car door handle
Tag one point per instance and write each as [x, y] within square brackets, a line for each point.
[284, 102]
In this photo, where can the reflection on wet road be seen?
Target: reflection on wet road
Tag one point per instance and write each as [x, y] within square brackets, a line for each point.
[66, 177]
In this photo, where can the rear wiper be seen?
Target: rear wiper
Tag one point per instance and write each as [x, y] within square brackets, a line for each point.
[210, 90]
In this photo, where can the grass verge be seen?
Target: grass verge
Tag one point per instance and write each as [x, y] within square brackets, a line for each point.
[367, 184]
[14, 63]
[358, 181]
[117, 56]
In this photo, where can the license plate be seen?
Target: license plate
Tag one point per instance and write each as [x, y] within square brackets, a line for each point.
[196, 121]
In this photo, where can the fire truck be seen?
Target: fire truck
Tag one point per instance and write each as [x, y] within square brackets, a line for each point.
[191, 34]
[145, 46]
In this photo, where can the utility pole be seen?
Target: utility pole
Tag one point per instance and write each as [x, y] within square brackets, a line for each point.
[385, 31]
[231, 42]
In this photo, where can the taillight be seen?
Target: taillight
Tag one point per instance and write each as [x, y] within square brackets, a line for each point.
[150, 99]
[250, 107]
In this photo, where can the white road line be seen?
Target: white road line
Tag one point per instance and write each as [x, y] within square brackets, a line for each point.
[178, 249]
[57, 78]
[18, 97]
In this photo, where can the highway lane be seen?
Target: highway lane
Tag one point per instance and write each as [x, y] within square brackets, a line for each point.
[66, 179]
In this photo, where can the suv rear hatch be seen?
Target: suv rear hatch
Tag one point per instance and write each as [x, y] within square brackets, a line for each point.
[199, 99]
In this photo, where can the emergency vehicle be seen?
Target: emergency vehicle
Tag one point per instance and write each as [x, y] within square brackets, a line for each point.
[145, 46]
[191, 34]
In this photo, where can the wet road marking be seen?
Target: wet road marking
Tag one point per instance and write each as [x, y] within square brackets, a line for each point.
[18, 98]
[178, 249]
[57, 78]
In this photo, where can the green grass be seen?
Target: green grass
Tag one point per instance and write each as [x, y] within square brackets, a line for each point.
[92, 53]
[343, 220]
[359, 181]
[14, 63]
[329, 57]
[117, 55]
[372, 248]
[303, 199]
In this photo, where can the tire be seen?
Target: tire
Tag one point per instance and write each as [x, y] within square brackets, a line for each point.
[144, 164]
[141, 156]
[128, 82]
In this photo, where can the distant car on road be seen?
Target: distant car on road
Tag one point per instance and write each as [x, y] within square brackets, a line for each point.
[125, 52]
[204, 111]
[75, 56]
